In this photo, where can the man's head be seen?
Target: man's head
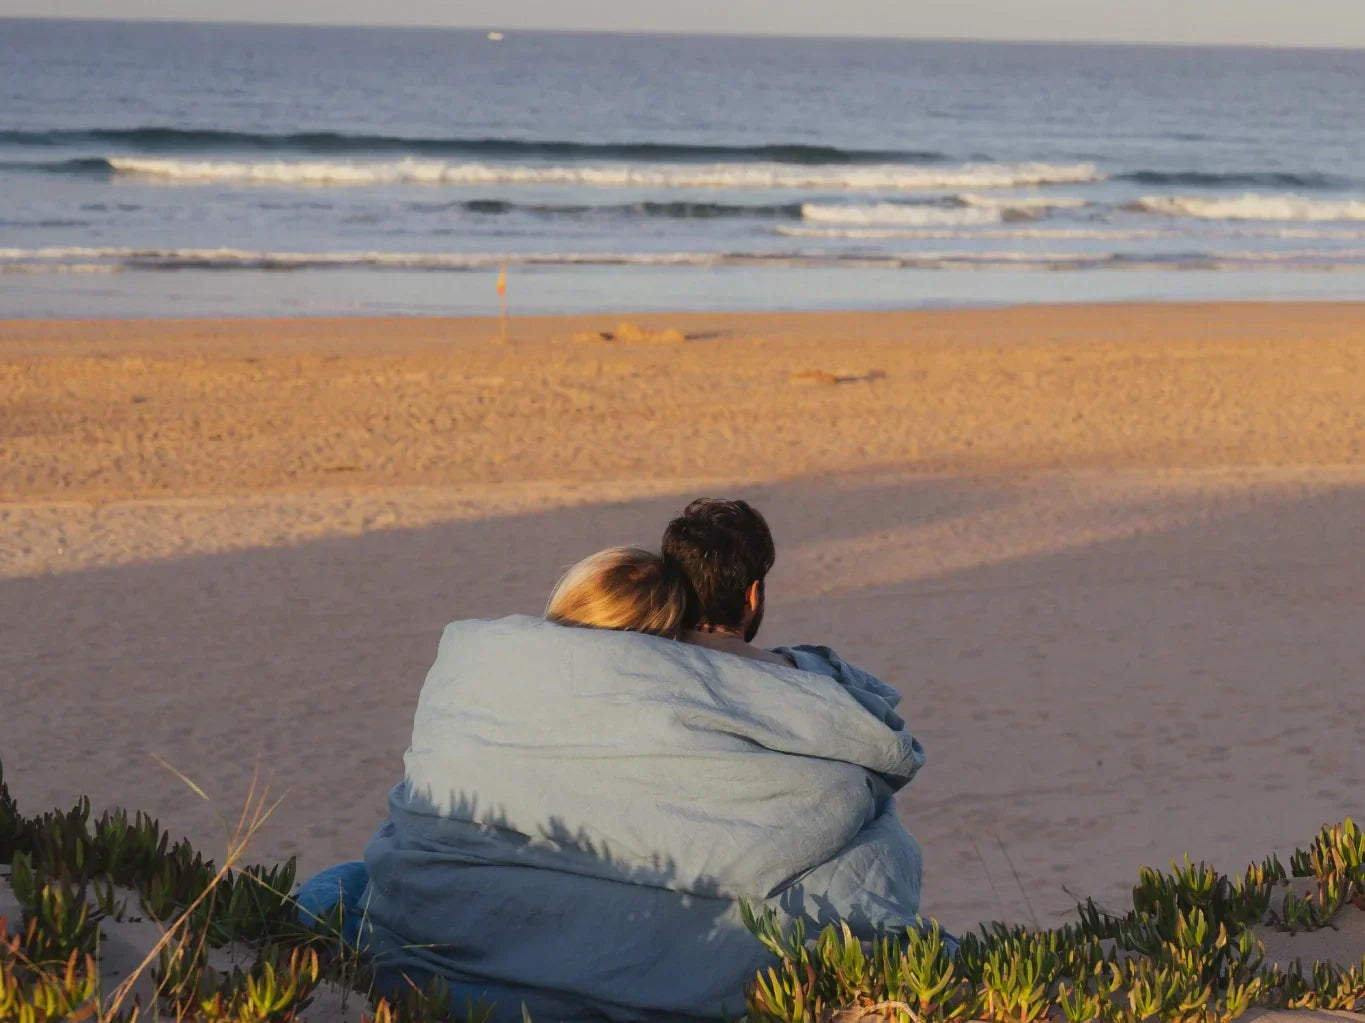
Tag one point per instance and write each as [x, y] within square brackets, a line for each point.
[725, 550]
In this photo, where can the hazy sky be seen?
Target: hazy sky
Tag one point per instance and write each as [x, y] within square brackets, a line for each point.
[1272, 22]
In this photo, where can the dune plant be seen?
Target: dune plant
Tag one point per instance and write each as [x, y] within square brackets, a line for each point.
[269, 990]
[34, 993]
[1336, 861]
[58, 919]
[1185, 950]
[66, 871]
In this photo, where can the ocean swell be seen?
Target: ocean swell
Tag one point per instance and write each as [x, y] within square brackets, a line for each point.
[155, 139]
[1236, 179]
[680, 210]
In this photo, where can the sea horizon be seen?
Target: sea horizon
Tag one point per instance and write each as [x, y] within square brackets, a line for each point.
[483, 29]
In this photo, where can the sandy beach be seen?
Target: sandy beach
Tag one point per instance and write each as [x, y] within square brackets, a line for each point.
[1110, 555]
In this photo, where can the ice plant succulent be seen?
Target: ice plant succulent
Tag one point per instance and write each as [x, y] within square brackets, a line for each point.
[1185, 951]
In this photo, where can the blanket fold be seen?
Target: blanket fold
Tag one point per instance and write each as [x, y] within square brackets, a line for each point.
[583, 811]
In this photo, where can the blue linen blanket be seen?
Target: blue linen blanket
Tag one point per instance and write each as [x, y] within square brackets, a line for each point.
[583, 811]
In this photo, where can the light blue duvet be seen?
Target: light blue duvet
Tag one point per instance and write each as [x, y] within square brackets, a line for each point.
[583, 811]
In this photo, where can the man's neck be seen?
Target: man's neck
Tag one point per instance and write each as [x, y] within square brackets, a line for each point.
[732, 643]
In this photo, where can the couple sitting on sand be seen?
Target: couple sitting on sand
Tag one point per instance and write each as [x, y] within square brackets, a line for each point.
[589, 798]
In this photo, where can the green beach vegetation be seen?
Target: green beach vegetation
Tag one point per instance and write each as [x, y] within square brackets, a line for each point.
[229, 948]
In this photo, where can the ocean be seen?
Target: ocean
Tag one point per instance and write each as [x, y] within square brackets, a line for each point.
[183, 169]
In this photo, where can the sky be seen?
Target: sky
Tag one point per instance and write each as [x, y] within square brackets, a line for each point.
[1256, 22]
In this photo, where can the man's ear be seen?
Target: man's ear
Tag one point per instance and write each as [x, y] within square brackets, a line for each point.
[754, 596]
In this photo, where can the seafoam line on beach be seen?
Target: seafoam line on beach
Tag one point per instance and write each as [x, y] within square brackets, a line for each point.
[77, 259]
[985, 233]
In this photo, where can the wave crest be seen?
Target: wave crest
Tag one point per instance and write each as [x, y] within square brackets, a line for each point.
[897, 213]
[889, 177]
[963, 210]
[1250, 206]
[948, 234]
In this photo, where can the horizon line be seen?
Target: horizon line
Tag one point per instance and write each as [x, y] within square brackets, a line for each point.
[721, 34]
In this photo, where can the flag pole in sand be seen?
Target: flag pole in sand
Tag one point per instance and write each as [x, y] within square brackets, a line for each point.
[502, 295]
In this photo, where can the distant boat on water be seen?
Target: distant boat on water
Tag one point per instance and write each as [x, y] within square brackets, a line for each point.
[495, 37]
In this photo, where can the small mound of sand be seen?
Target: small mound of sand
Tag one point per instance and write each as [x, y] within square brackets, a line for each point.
[633, 333]
[821, 376]
[815, 376]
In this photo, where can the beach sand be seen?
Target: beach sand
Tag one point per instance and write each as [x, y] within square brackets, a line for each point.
[1110, 555]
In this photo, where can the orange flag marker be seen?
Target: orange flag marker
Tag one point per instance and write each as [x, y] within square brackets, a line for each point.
[502, 293]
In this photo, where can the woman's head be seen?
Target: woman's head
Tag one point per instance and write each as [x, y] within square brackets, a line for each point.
[625, 588]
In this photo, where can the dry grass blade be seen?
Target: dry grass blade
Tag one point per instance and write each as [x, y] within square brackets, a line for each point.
[875, 1013]
[189, 782]
[254, 815]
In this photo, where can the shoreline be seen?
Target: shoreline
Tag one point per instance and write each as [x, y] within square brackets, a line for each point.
[983, 306]
[637, 290]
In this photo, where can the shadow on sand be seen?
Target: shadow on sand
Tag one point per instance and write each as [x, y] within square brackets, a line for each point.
[1189, 689]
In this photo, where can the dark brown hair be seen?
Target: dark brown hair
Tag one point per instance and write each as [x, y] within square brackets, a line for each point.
[722, 548]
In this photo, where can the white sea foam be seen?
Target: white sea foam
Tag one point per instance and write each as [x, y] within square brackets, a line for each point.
[1021, 202]
[59, 268]
[897, 213]
[76, 259]
[720, 175]
[968, 209]
[1315, 233]
[53, 256]
[1309, 256]
[992, 233]
[1251, 206]
[52, 259]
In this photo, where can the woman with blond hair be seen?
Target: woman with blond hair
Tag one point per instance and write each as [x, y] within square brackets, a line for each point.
[628, 589]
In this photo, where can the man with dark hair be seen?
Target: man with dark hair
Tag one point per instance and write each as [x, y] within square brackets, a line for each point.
[724, 550]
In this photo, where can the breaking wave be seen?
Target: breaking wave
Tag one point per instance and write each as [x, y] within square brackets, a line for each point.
[997, 233]
[1021, 204]
[962, 210]
[897, 213]
[719, 175]
[1251, 207]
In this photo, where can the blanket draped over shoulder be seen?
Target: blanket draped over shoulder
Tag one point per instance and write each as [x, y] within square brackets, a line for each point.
[583, 812]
